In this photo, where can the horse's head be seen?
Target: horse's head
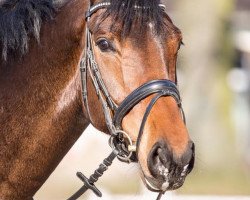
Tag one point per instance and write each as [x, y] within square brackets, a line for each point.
[133, 43]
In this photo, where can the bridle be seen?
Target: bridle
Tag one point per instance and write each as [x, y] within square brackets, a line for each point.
[122, 145]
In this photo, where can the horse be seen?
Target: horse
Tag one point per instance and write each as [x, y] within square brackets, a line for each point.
[127, 52]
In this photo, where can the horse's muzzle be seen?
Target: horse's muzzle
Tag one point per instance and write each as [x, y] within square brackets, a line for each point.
[169, 171]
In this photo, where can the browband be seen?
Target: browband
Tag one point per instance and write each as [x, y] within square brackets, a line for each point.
[96, 7]
[105, 4]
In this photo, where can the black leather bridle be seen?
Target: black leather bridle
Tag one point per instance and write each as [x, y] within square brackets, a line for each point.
[122, 145]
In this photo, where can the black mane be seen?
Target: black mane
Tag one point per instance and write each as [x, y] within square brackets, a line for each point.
[19, 21]
[141, 11]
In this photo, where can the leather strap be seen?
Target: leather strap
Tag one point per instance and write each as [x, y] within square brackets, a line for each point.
[95, 8]
[166, 87]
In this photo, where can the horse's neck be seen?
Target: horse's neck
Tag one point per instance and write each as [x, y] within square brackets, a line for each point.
[40, 105]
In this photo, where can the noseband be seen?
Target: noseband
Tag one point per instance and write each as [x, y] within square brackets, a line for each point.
[122, 145]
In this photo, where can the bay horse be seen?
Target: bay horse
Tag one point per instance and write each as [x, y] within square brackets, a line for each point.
[127, 52]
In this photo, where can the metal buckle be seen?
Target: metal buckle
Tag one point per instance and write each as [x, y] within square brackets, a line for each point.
[116, 143]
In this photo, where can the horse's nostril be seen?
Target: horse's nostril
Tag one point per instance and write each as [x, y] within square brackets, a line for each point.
[162, 163]
[188, 158]
[162, 155]
[158, 162]
[191, 162]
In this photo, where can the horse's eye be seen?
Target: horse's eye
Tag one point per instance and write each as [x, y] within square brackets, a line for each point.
[104, 45]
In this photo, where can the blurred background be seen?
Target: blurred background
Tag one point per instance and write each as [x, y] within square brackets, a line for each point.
[214, 78]
[215, 71]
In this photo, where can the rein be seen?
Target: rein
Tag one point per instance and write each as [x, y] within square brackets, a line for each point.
[122, 145]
